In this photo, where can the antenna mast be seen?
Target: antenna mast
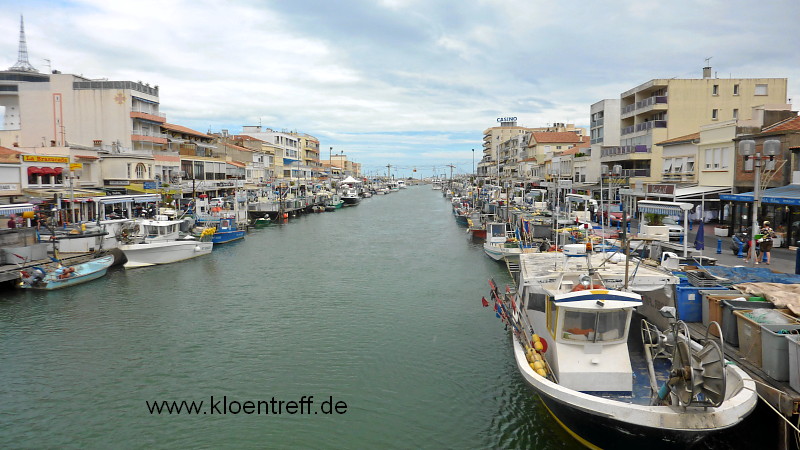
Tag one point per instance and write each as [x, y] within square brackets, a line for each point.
[22, 64]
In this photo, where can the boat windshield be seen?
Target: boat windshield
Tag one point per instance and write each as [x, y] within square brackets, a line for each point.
[594, 326]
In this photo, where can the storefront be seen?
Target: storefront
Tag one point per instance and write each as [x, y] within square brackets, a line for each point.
[780, 206]
[705, 198]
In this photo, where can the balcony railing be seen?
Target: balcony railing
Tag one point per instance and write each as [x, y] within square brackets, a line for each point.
[597, 123]
[651, 101]
[632, 173]
[627, 130]
[624, 150]
[596, 141]
[644, 126]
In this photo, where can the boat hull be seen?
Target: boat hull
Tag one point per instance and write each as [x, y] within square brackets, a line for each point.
[223, 237]
[87, 271]
[143, 255]
[602, 423]
[350, 201]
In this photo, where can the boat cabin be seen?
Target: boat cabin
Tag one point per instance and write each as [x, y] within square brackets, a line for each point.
[496, 233]
[588, 329]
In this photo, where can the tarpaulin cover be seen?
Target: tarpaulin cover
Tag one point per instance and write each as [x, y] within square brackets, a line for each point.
[752, 275]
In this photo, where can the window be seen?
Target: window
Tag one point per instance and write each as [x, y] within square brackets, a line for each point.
[735, 89]
[761, 89]
[735, 114]
[715, 90]
[714, 113]
[594, 326]
[141, 170]
[129, 170]
[690, 164]
[667, 165]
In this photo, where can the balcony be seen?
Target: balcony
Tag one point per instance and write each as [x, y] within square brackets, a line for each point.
[681, 177]
[156, 138]
[598, 140]
[636, 173]
[596, 123]
[627, 109]
[644, 126]
[624, 150]
[146, 115]
[650, 101]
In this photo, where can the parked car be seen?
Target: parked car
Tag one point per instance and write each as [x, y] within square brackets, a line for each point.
[675, 228]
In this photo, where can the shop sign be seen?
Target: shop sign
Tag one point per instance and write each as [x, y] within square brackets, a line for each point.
[9, 187]
[661, 189]
[75, 166]
[46, 159]
[118, 183]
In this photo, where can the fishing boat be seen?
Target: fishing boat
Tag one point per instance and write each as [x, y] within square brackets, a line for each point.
[476, 226]
[436, 185]
[501, 246]
[611, 385]
[224, 229]
[65, 276]
[150, 242]
[350, 197]
[262, 222]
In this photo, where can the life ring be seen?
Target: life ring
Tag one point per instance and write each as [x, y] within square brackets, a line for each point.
[581, 287]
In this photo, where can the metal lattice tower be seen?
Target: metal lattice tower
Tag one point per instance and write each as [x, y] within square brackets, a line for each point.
[22, 64]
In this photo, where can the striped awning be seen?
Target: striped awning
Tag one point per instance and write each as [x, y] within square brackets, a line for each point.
[114, 199]
[663, 208]
[16, 208]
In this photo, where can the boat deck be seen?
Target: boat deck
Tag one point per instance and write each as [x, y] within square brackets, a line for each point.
[642, 394]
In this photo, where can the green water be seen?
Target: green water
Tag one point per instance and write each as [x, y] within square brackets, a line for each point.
[376, 306]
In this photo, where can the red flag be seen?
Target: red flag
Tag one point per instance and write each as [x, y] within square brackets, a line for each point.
[513, 305]
[485, 303]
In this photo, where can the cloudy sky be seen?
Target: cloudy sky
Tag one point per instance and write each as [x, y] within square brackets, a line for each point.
[410, 83]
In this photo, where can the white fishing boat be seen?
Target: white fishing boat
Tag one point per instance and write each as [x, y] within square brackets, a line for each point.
[350, 197]
[500, 246]
[611, 385]
[156, 241]
[436, 185]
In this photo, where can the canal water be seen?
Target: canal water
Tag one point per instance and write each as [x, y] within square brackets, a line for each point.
[373, 310]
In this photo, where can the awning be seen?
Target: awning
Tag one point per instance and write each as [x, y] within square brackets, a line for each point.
[663, 208]
[693, 192]
[113, 199]
[784, 195]
[34, 170]
[16, 208]
[47, 171]
[697, 192]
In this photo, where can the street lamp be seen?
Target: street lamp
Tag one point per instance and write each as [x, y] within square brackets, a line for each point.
[473, 162]
[747, 148]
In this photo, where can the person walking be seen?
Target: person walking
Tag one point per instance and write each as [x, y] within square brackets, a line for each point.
[765, 243]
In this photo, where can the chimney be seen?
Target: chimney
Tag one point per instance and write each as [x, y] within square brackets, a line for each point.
[707, 72]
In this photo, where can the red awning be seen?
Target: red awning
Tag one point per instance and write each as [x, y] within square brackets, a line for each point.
[58, 170]
[47, 171]
[34, 170]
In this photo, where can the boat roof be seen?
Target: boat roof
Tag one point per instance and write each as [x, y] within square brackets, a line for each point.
[599, 299]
